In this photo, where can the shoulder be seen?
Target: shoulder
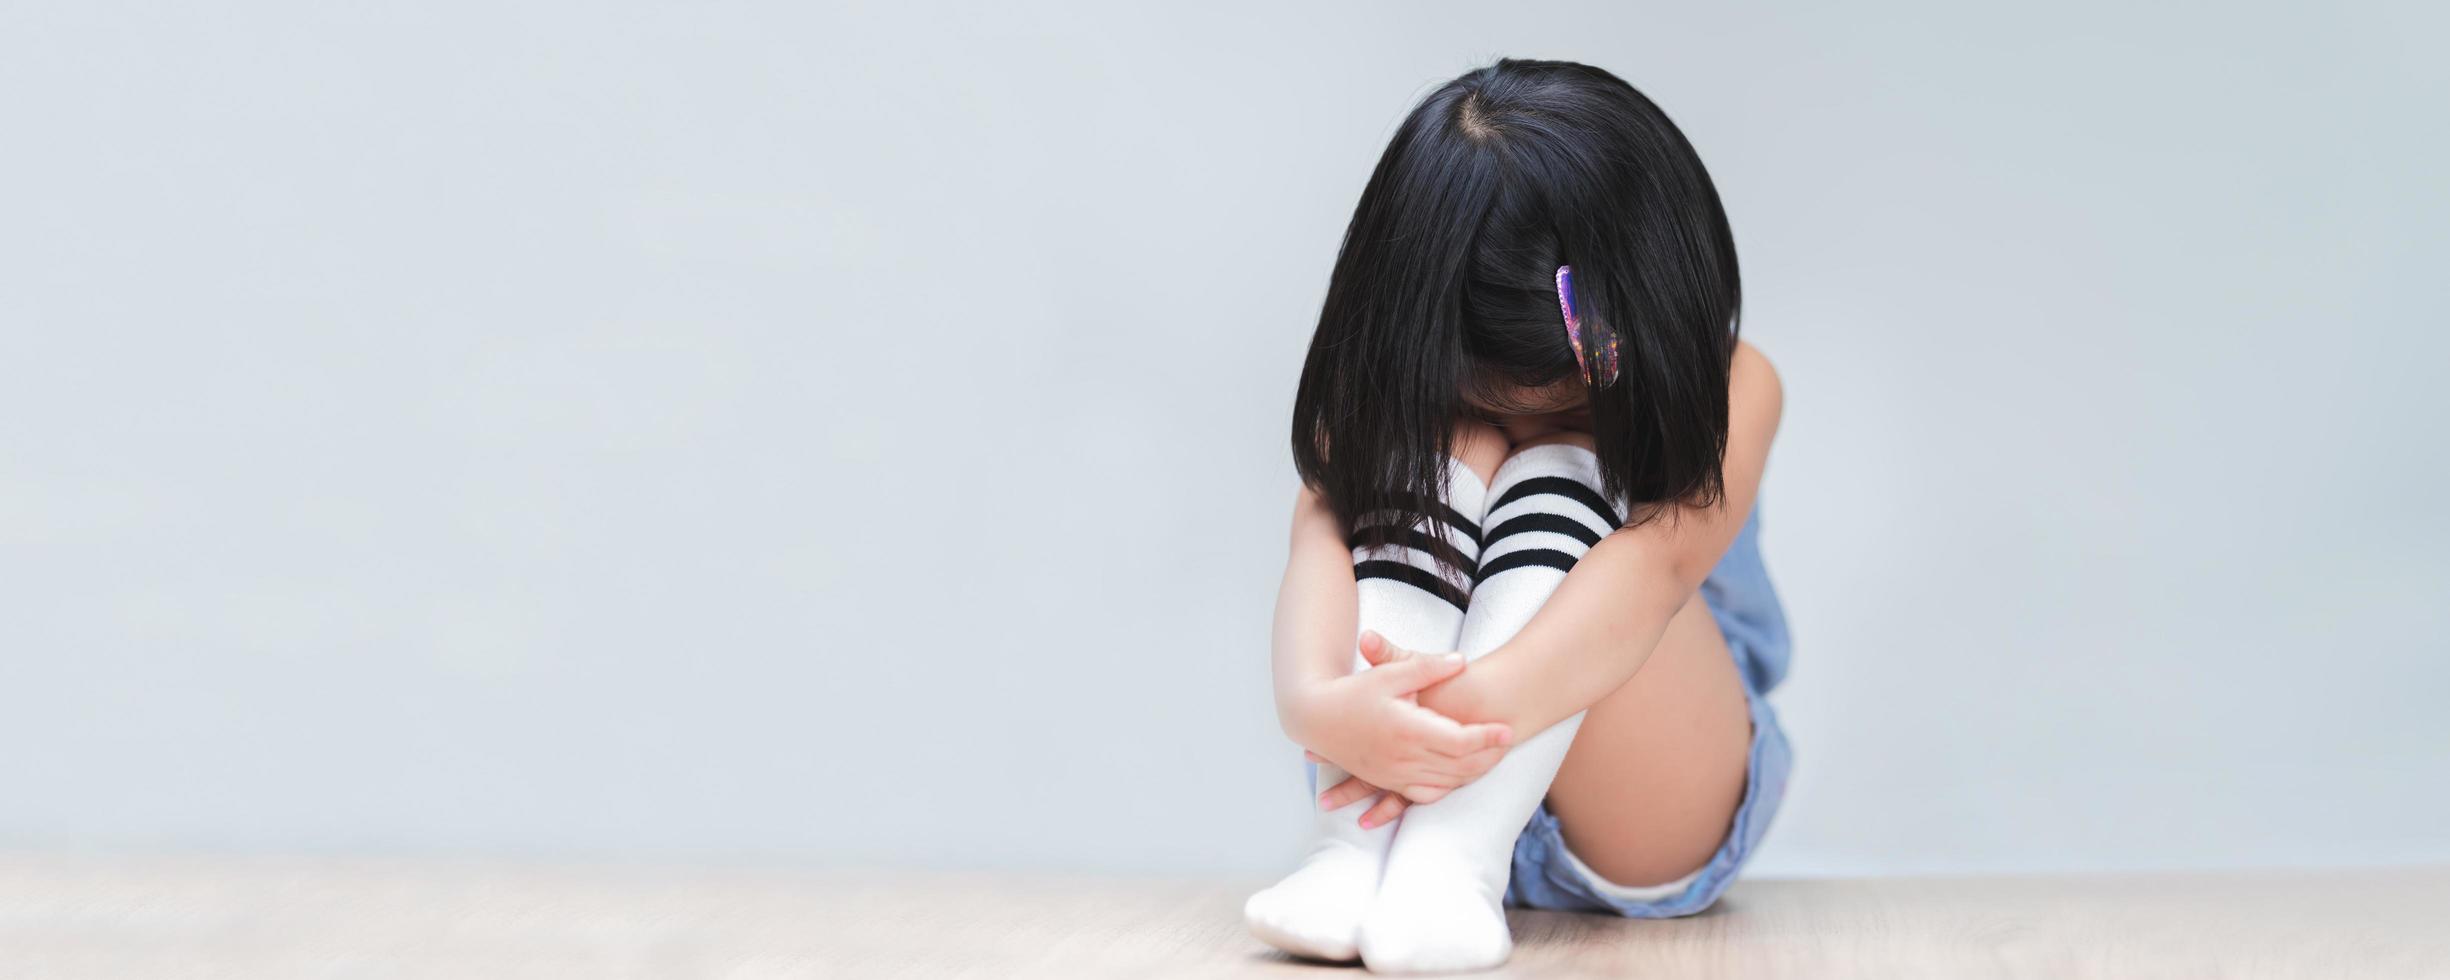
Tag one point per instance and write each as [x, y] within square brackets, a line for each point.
[1754, 366]
[1753, 385]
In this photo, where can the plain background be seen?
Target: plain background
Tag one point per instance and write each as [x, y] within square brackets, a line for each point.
[856, 435]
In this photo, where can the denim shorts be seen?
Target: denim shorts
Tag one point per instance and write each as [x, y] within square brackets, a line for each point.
[1547, 876]
[1740, 597]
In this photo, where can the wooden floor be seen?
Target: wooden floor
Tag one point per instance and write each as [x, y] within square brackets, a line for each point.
[84, 916]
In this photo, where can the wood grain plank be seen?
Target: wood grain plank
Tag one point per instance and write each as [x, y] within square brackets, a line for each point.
[235, 916]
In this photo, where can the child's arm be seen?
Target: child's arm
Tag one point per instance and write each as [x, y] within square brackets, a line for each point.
[1609, 613]
[1315, 608]
[1367, 722]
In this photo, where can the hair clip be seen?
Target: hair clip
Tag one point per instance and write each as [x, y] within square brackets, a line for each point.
[1598, 356]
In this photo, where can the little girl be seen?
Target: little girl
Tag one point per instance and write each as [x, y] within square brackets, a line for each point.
[1528, 434]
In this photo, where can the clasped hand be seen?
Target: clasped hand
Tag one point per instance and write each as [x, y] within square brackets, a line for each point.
[1370, 724]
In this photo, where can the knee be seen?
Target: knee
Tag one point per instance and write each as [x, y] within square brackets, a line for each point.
[1535, 462]
[1481, 447]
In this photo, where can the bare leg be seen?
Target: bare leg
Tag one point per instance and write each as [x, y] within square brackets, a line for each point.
[1656, 772]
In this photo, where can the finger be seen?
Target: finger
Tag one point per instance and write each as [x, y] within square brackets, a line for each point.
[1387, 808]
[1345, 793]
[1476, 738]
[1428, 736]
[1378, 650]
[1448, 738]
[1475, 765]
[1426, 794]
[1451, 771]
[1414, 673]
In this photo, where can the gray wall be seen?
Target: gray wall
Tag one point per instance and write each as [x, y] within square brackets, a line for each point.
[855, 436]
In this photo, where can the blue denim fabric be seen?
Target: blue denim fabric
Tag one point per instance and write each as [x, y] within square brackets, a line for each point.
[1740, 597]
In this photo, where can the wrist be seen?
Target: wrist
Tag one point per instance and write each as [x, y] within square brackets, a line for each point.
[1470, 697]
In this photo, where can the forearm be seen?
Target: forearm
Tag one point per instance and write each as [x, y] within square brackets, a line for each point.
[1591, 636]
[1316, 607]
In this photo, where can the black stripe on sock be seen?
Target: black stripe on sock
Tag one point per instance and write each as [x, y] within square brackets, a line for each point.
[1528, 523]
[1438, 548]
[1546, 557]
[1571, 489]
[1414, 576]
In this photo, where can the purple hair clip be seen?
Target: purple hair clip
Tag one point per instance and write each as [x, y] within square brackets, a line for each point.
[1598, 356]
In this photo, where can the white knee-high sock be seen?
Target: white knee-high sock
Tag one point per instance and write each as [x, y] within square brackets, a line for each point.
[1439, 905]
[1405, 596]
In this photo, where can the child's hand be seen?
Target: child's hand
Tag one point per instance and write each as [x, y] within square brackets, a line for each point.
[1343, 794]
[1368, 724]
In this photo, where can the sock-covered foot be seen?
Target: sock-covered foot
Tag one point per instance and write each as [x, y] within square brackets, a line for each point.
[1316, 911]
[1435, 922]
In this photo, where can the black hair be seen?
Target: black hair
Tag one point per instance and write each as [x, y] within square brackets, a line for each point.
[1447, 281]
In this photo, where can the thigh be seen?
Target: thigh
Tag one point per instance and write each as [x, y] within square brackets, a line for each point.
[1652, 782]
